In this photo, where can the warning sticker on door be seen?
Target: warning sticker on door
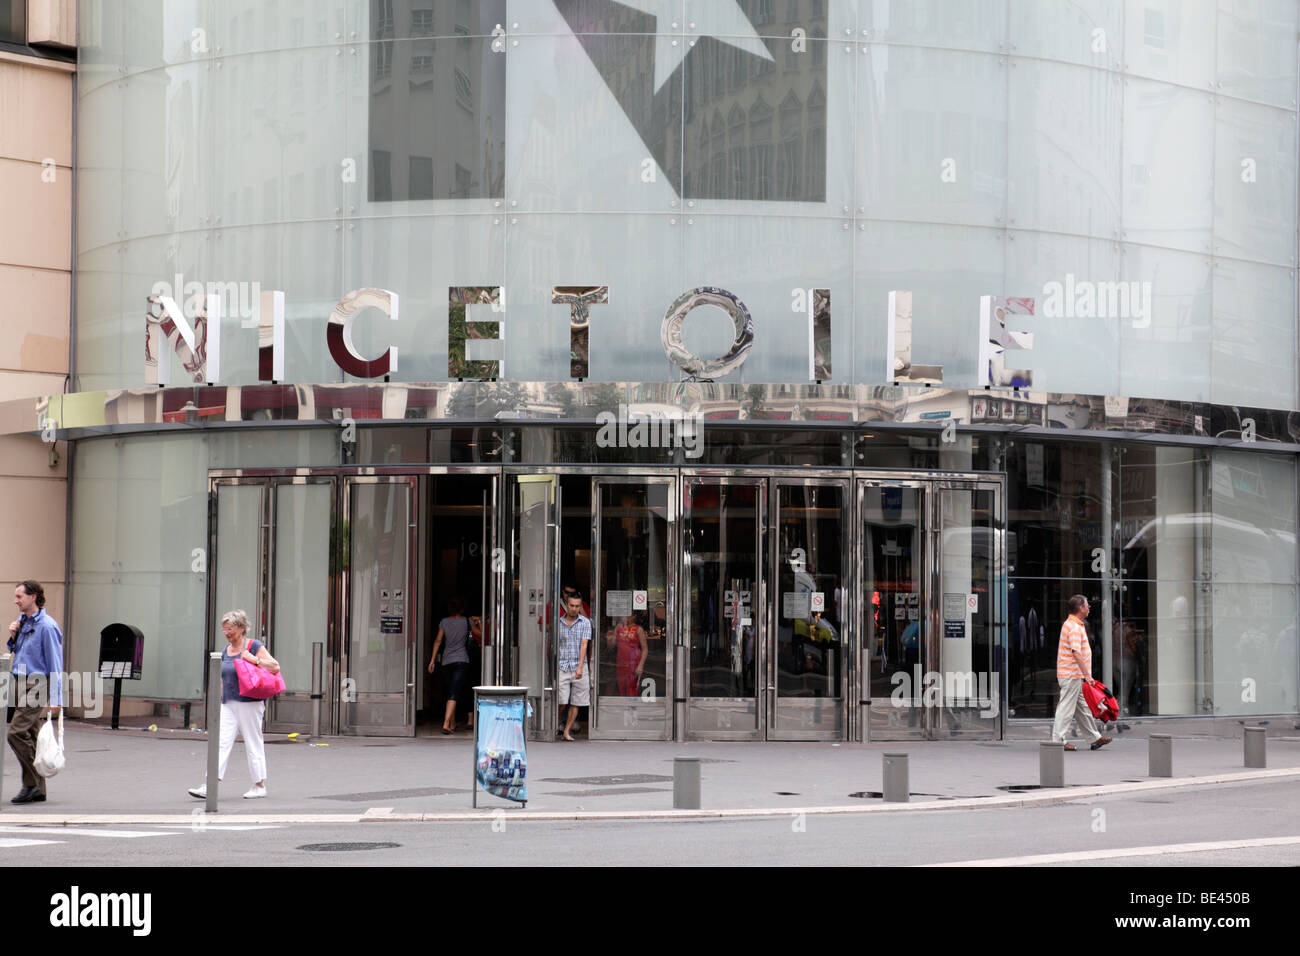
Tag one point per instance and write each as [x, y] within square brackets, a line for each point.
[618, 603]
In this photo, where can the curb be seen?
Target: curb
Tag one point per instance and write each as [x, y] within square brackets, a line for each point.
[198, 819]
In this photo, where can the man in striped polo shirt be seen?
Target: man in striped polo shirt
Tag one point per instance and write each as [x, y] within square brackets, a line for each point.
[1073, 667]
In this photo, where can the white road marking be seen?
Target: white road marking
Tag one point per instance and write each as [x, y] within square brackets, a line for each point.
[1081, 856]
[200, 825]
[8, 843]
[95, 832]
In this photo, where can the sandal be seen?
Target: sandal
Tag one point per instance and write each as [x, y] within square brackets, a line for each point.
[1069, 747]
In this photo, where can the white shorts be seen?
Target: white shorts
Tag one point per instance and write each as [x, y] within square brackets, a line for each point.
[573, 690]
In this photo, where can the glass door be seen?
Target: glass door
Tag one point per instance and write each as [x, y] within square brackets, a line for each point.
[303, 561]
[723, 605]
[528, 652]
[632, 606]
[378, 689]
[931, 608]
[807, 673]
[892, 526]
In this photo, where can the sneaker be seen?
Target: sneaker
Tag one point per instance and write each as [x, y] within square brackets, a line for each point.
[201, 792]
[255, 793]
[1099, 743]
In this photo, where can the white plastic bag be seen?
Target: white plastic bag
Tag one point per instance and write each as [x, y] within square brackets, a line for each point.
[49, 751]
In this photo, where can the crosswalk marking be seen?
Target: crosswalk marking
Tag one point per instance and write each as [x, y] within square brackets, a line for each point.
[88, 831]
[6, 842]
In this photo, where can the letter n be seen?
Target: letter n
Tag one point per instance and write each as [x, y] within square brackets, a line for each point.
[198, 348]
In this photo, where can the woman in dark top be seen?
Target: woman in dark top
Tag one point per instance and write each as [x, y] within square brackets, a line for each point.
[454, 629]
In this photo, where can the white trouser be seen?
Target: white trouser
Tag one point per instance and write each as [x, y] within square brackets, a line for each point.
[1072, 706]
[243, 717]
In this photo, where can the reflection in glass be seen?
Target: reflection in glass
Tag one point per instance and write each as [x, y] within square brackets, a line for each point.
[633, 590]
[722, 592]
[809, 649]
[893, 609]
[379, 610]
[437, 102]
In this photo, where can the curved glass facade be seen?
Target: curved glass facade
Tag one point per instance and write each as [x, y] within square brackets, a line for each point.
[797, 166]
[1131, 166]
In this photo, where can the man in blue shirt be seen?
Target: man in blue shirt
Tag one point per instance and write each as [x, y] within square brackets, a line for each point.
[575, 635]
[37, 646]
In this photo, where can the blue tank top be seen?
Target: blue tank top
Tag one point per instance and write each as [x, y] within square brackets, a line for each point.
[230, 678]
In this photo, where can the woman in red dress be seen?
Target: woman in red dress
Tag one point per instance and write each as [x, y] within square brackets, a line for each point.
[631, 639]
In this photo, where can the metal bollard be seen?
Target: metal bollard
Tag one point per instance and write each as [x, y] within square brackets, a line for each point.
[214, 728]
[1051, 763]
[1160, 755]
[686, 783]
[6, 681]
[895, 787]
[679, 692]
[317, 686]
[1253, 744]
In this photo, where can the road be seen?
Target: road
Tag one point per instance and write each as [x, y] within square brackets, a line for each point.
[1177, 821]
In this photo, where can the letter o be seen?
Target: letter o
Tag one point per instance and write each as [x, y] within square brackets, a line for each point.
[692, 365]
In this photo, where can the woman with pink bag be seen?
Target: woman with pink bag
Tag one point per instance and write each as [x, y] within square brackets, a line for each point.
[241, 715]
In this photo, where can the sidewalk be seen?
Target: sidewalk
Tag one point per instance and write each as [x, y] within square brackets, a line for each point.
[137, 773]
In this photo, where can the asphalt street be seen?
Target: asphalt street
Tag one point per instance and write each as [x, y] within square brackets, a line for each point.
[1159, 829]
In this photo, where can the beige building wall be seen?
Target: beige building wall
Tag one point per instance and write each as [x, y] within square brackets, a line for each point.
[36, 165]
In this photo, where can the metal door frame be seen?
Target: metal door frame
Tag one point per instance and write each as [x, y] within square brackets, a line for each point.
[328, 688]
[343, 659]
[929, 484]
[671, 568]
[847, 628]
[723, 477]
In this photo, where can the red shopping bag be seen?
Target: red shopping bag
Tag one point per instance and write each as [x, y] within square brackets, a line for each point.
[1101, 701]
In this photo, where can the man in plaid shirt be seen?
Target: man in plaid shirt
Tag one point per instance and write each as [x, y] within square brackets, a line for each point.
[575, 635]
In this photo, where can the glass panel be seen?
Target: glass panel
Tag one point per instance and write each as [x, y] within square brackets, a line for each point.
[302, 580]
[893, 608]
[1055, 494]
[809, 593]
[722, 611]
[1254, 518]
[1089, 32]
[1254, 181]
[1165, 328]
[239, 556]
[960, 25]
[633, 601]
[1169, 42]
[969, 595]
[1254, 650]
[1254, 336]
[1036, 608]
[380, 608]
[1256, 50]
[1163, 528]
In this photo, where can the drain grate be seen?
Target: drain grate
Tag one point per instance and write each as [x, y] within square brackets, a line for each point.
[613, 780]
[708, 760]
[877, 795]
[346, 847]
[1023, 787]
[786, 793]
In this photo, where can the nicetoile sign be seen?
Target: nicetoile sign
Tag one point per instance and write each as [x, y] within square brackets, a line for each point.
[197, 344]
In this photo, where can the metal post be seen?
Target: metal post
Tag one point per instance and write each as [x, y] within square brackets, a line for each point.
[679, 692]
[1051, 763]
[6, 682]
[686, 783]
[317, 684]
[1160, 755]
[117, 701]
[489, 668]
[214, 727]
[1253, 743]
[896, 787]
